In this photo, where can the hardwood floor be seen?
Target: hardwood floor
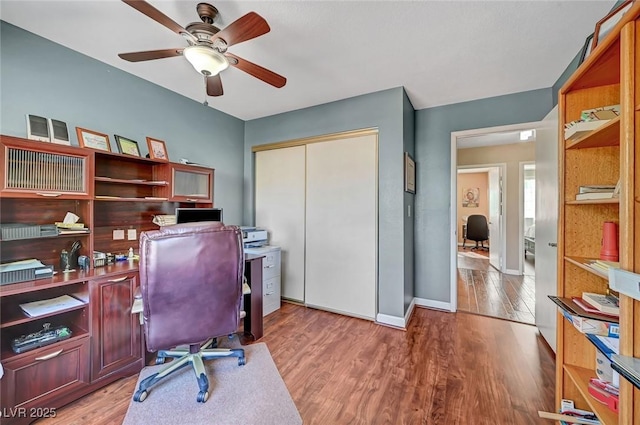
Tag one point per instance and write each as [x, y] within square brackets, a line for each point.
[484, 290]
[445, 369]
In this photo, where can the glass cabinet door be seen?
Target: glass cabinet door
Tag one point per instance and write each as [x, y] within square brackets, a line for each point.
[191, 184]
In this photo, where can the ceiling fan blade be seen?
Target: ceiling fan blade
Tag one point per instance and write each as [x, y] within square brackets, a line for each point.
[161, 18]
[214, 85]
[244, 28]
[257, 71]
[151, 54]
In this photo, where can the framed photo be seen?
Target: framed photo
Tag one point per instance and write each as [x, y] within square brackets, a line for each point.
[409, 174]
[586, 49]
[93, 139]
[157, 149]
[127, 146]
[606, 24]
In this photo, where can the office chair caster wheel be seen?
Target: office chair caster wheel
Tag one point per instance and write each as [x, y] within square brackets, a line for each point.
[203, 396]
[159, 360]
[140, 396]
[242, 361]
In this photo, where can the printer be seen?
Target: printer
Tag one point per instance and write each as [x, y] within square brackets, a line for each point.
[252, 237]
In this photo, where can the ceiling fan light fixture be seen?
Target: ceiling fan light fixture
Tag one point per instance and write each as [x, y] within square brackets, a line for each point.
[206, 60]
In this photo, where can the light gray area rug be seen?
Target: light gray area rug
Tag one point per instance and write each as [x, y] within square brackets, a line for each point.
[251, 394]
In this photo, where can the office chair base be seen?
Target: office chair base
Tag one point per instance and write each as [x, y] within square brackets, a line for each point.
[184, 357]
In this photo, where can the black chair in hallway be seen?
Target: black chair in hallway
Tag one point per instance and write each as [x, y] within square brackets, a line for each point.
[478, 231]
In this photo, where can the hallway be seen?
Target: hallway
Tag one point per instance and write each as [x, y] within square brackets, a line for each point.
[483, 290]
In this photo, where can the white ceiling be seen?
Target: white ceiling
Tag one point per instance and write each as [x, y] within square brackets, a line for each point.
[442, 52]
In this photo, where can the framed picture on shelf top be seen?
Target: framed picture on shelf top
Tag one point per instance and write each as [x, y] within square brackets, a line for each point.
[157, 149]
[409, 174]
[606, 24]
[127, 146]
[93, 139]
[586, 49]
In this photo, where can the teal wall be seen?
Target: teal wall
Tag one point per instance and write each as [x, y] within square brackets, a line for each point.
[43, 78]
[433, 156]
[409, 144]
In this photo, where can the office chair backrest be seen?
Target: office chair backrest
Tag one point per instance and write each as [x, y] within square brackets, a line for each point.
[477, 228]
[191, 282]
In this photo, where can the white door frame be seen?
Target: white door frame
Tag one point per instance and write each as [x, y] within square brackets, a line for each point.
[521, 166]
[453, 206]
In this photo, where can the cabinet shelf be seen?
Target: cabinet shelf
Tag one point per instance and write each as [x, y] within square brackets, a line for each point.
[66, 235]
[132, 181]
[118, 199]
[580, 377]
[607, 135]
[13, 315]
[593, 201]
[582, 263]
[8, 354]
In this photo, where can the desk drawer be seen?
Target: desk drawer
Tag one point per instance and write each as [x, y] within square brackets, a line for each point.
[271, 264]
[270, 295]
[39, 376]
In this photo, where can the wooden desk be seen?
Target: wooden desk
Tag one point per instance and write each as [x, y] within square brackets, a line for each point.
[252, 298]
[253, 301]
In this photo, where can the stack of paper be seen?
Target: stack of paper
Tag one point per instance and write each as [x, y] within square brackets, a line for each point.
[42, 307]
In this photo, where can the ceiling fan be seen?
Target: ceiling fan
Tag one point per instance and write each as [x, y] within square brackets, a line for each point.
[207, 50]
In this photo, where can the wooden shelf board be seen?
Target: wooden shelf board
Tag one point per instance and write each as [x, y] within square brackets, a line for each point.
[131, 182]
[580, 377]
[593, 201]
[581, 262]
[67, 235]
[62, 279]
[17, 316]
[607, 135]
[116, 199]
[7, 353]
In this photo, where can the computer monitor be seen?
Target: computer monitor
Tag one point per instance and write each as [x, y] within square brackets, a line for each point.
[190, 215]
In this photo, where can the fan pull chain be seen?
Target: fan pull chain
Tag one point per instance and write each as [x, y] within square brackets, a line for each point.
[205, 103]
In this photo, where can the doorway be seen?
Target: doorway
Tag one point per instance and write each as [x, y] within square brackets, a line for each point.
[493, 284]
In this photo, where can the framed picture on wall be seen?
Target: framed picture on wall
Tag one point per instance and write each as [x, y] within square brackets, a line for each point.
[409, 174]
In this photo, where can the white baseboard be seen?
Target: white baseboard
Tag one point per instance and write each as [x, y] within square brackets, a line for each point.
[513, 272]
[394, 321]
[440, 305]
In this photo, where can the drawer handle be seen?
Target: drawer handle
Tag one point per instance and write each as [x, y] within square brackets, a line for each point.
[49, 194]
[50, 356]
[192, 200]
[270, 267]
[120, 279]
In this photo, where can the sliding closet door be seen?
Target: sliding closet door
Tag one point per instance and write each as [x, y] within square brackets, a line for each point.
[280, 194]
[341, 226]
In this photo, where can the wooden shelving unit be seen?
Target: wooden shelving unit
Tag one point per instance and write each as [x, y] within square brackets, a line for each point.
[108, 192]
[609, 76]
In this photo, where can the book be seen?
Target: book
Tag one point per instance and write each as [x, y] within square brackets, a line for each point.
[588, 307]
[596, 188]
[602, 113]
[604, 303]
[576, 129]
[594, 195]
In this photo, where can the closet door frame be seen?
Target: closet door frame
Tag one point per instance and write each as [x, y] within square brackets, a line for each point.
[332, 137]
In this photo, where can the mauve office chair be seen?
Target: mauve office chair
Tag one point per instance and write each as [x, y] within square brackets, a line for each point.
[191, 282]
